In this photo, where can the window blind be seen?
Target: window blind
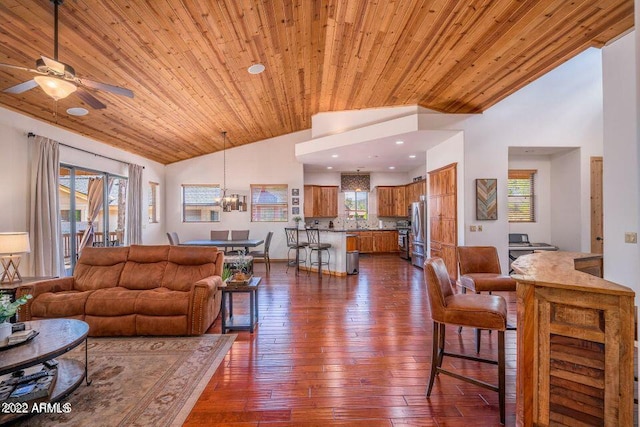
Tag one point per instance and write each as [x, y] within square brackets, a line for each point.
[521, 198]
[201, 203]
[269, 202]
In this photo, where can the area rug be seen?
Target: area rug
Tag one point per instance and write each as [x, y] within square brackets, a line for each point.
[140, 381]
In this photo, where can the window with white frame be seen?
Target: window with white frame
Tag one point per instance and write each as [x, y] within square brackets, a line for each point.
[269, 202]
[521, 197]
[356, 204]
[201, 203]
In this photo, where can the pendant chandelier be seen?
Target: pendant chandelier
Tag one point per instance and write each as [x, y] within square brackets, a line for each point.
[229, 202]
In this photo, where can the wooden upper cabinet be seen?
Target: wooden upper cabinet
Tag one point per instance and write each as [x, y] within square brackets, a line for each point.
[415, 190]
[320, 201]
[392, 200]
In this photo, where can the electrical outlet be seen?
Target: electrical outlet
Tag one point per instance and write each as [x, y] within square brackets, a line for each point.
[630, 237]
[479, 228]
[472, 228]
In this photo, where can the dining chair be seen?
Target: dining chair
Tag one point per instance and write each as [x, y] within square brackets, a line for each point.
[264, 253]
[173, 238]
[480, 272]
[294, 244]
[238, 235]
[473, 310]
[219, 234]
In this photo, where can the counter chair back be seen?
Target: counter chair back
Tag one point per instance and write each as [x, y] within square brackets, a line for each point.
[264, 253]
[294, 244]
[480, 272]
[476, 311]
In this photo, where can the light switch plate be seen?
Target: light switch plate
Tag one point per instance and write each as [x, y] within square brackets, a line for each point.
[472, 228]
[630, 237]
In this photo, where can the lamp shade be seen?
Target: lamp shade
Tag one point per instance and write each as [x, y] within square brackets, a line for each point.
[55, 87]
[14, 243]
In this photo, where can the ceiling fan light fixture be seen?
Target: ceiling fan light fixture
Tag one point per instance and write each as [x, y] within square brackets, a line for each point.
[55, 87]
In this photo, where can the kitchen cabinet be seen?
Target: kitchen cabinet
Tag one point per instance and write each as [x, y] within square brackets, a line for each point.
[443, 218]
[377, 241]
[385, 241]
[365, 241]
[320, 201]
[414, 190]
[392, 201]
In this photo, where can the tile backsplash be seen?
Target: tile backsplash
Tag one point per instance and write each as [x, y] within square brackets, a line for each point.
[350, 224]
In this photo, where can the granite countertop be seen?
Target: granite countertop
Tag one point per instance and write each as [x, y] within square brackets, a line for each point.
[351, 230]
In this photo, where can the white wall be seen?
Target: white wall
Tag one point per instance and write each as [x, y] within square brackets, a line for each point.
[620, 165]
[566, 225]
[540, 230]
[271, 161]
[14, 174]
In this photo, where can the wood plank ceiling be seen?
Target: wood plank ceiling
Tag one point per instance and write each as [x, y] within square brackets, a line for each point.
[187, 60]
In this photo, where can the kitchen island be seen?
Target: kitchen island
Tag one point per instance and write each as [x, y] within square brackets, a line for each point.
[369, 240]
[575, 342]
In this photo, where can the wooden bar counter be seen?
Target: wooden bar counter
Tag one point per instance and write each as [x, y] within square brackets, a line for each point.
[575, 343]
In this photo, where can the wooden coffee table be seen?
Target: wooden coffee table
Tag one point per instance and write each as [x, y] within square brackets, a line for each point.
[240, 322]
[55, 337]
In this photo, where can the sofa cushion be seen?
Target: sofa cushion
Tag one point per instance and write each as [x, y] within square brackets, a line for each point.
[59, 304]
[99, 268]
[162, 302]
[188, 264]
[111, 302]
[145, 267]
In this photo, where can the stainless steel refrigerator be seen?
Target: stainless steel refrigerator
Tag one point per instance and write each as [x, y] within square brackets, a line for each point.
[418, 232]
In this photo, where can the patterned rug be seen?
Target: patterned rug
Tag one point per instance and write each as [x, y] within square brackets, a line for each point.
[140, 381]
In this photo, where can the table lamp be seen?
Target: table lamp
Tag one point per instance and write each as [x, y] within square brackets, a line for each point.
[12, 245]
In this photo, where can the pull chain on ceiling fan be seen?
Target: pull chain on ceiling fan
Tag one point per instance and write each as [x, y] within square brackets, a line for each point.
[59, 80]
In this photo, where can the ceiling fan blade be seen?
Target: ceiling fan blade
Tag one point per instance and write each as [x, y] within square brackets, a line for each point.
[90, 99]
[17, 67]
[106, 87]
[22, 87]
[57, 67]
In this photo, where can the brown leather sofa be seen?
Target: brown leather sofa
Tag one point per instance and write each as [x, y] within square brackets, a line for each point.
[135, 290]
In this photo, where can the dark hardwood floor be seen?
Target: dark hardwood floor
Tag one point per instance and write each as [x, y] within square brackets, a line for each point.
[353, 351]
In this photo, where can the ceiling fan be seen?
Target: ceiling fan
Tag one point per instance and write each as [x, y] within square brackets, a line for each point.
[59, 80]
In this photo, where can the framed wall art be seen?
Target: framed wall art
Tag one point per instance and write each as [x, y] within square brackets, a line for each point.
[295, 191]
[486, 199]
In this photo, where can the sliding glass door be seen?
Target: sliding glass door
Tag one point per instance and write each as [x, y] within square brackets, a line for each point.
[92, 211]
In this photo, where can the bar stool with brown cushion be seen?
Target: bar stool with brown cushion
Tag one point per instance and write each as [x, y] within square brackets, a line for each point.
[480, 272]
[473, 310]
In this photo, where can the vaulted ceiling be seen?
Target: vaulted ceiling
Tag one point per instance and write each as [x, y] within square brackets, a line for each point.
[186, 61]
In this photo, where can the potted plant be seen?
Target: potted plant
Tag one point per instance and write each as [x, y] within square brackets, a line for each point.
[241, 268]
[297, 220]
[7, 310]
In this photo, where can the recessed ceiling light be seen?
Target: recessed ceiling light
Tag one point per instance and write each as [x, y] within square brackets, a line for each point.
[392, 167]
[399, 142]
[412, 156]
[329, 167]
[77, 111]
[334, 155]
[256, 69]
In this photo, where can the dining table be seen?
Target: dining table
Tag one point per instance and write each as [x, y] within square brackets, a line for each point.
[242, 243]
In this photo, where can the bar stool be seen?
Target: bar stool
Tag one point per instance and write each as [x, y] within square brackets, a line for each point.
[480, 272]
[473, 310]
[294, 244]
[313, 237]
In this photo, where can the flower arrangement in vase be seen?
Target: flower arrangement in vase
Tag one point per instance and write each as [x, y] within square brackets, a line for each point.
[297, 220]
[7, 310]
[241, 269]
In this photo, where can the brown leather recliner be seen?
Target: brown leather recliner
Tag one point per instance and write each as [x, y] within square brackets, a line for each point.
[480, 272]
[476, 311]
[136, 290]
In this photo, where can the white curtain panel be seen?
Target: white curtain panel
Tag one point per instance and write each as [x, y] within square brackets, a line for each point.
[134, 205]
[44, 225]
